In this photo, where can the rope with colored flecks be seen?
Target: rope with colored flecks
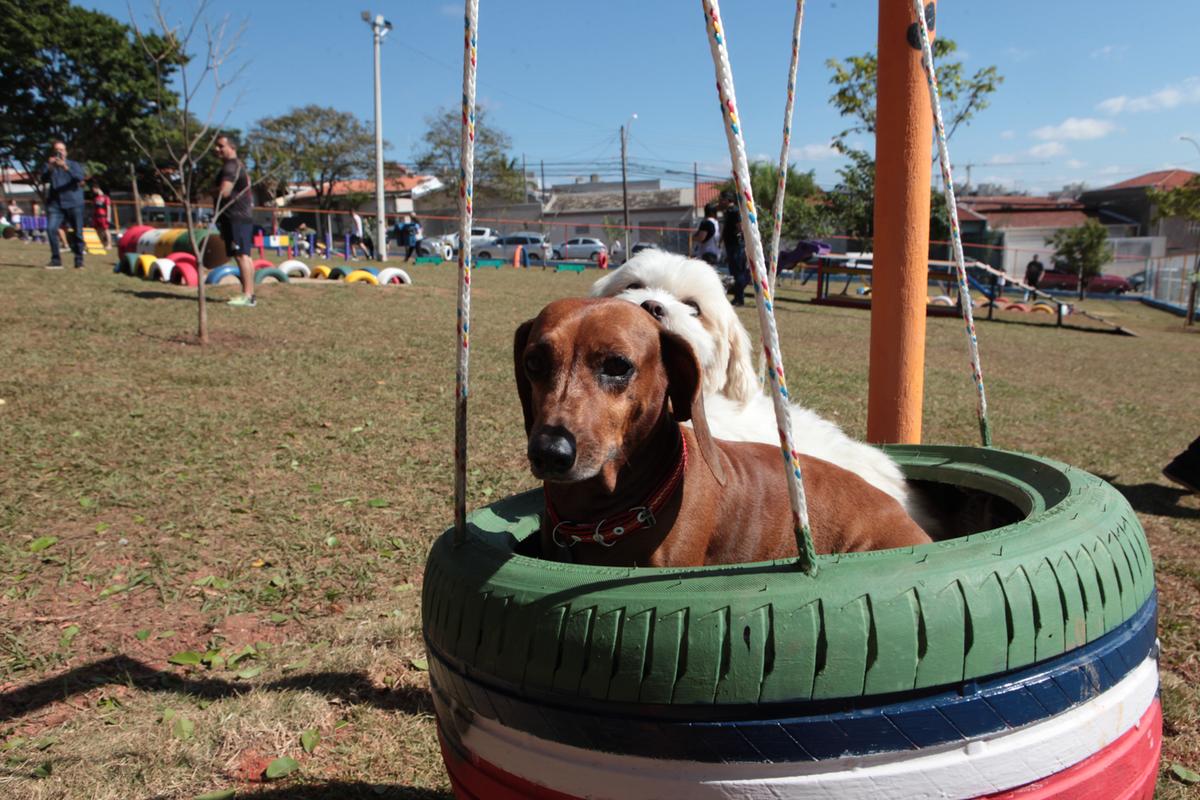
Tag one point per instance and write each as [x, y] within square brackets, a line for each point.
[964, 294]
[787, 141]
[466, 210]
[757, 264]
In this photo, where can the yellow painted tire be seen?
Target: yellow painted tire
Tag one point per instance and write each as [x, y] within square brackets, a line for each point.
[144, 263]
[1041, 309]
[362, 276]
[166, 243]
[320, 271]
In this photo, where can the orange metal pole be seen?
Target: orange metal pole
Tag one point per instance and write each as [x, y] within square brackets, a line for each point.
[899, 291]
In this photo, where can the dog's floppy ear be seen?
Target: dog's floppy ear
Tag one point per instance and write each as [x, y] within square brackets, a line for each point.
[524, 388]
[684, 388]
[601, 287]
[741, 383]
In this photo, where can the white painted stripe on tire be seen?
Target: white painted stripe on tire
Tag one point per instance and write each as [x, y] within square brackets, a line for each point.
[979, 767]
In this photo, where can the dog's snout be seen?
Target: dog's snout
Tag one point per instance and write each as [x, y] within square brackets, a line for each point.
[552, 453]
[656, 309]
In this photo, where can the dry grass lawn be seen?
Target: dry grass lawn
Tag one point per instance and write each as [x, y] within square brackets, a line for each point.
[208, 552]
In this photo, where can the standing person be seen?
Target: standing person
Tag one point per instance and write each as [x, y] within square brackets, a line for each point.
[707, 245]
[1033, 274]
[235, 218]
[63, 179]
[101, 215]
[356, 236]
[617, 249]
[735, 248]
[14, 216]
[412, 236]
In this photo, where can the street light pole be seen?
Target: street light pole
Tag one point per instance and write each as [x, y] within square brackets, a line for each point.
[624, 180]
[379, 29]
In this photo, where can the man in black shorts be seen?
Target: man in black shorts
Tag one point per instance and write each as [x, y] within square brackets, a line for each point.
[234, 219]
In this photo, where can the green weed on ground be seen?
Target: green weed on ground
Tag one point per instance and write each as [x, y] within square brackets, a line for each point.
[211, 558]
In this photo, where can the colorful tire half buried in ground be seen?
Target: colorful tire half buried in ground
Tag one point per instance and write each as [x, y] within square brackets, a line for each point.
[321, 271]
[362, 276]
[393, 275]
[185, 274]
[161, 270]
[221, 273]
[271, 273]
[1022, 656]
[295, 269]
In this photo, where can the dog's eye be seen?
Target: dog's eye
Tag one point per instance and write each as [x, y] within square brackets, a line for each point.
[694, 306]
[616, 367]
[634, 285]
[535, 365]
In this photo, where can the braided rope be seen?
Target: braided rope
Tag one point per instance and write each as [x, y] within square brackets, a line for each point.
[765, 304]
[964, 294]
[466, 210]
[787, 141]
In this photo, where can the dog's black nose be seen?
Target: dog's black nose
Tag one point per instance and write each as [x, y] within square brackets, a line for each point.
[551, 453]
[655, 308]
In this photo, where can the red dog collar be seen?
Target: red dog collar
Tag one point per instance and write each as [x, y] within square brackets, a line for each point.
[610, 530]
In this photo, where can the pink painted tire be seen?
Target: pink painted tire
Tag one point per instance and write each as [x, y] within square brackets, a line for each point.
[262, 263]
[185, 274]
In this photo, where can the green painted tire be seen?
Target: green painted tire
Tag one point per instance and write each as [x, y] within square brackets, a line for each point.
[1076, 566]
[273, 273]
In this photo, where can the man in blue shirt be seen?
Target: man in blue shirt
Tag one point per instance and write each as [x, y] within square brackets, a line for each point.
[63, 180]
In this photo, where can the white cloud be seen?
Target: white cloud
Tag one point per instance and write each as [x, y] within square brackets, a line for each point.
[1186, 92]
[1075, 163]
[1047, 149]
[815, 152]
[450, 10]
[1109, 51]
[1002, 158]
[1018, 53]
[1007, 134]
[1076, 128]
[1112, 169]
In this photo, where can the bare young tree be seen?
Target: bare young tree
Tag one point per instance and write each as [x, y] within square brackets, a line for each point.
[185, 140]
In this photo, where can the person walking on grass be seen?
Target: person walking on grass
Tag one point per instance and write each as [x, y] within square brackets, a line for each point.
[102, 215]
[235, 219]
[63, 179]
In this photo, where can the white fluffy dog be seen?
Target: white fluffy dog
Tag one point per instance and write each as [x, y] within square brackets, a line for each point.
[688, 298]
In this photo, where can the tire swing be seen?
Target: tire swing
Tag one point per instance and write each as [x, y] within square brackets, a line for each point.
[1017, 661]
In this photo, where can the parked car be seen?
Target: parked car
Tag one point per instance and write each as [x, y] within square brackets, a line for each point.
[1066, 280]
[535, 245]
[640, 246]
[581, 247]
[435, 246]
[479, 236]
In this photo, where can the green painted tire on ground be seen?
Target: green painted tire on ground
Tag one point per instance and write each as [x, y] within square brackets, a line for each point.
[273, 273]
[1073, 568]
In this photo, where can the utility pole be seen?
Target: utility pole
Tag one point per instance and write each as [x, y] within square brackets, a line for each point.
[624, 191]
[379, 29]
[524, 179]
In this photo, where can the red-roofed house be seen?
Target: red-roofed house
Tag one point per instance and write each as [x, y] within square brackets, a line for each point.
[398, 193]
[1131, 200]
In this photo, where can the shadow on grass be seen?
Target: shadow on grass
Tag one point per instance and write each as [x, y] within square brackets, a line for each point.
[152, 294]
[349, 687]
[1155, 498]
[342, 790]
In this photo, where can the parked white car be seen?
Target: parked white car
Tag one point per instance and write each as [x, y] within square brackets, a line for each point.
[581, 247]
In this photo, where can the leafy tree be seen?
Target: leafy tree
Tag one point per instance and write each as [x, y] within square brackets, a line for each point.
[805, 213]
[1083, 249]
[497, 175]
[962, 98]
[853, 199]
[1183, 201]
[316, 145]
[78, 75]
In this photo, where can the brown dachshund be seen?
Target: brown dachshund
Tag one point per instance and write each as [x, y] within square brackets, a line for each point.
[604, 388]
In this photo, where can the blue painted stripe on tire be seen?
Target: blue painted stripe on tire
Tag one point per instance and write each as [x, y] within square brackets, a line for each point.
[811, 730]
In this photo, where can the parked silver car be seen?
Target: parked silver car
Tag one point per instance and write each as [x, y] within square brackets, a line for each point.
[535, 246]
[581, 247]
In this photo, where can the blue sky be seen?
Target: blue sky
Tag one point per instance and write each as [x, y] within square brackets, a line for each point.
[1093, 91]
